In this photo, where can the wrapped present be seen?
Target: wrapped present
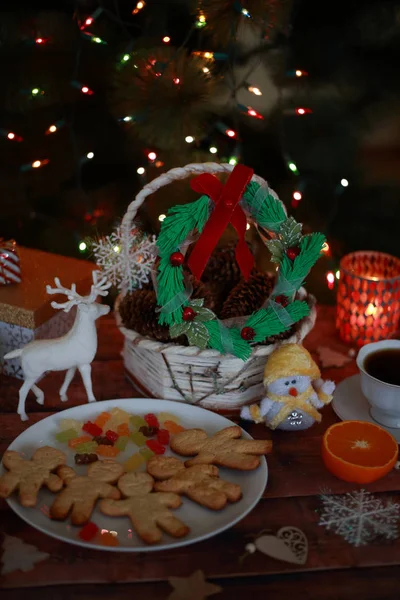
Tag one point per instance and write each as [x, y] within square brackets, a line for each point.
[10, 269]
[25, 308]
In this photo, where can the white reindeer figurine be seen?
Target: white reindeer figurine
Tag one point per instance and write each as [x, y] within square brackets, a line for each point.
[75, 350]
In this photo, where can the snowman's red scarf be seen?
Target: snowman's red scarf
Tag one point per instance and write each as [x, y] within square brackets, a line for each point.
[291, 403]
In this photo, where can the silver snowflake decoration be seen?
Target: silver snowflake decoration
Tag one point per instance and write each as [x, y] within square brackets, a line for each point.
[360, 517]
[128, 265]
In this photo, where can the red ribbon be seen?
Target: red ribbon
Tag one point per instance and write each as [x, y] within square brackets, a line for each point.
[227, 210]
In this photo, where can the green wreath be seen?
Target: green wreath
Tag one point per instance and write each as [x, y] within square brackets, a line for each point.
[294, 252]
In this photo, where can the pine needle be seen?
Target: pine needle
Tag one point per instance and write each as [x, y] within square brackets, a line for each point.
[271, 210]
[180, 221]
[310, 252]
[266, 322]
[170, 283]
[240, 347]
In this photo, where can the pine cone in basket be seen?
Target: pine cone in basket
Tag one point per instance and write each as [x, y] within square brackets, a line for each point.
[222, 274]
[138, 312]
[248, 296]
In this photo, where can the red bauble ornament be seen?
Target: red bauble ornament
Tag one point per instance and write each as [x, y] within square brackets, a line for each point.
[282, 300]
[248, 333]
[188, 314]
[176, 259]
[293, 252]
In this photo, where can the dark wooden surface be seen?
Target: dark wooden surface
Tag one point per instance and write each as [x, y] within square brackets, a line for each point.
[334, 569]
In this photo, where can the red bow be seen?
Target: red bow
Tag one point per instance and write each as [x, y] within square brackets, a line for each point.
[227, 210]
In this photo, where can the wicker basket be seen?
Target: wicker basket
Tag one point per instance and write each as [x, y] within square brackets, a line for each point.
[186, 373]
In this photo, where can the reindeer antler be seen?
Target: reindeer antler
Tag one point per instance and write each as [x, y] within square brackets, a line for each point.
[73, 296]
[99, 287]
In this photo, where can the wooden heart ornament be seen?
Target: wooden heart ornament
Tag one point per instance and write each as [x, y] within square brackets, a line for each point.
[290, 544]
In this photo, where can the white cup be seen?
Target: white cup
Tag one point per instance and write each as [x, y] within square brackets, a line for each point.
[384, 398]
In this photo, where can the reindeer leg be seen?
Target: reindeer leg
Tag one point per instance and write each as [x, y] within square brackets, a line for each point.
[68, 378]
[38, 393]
[85, 371]
[23, 392]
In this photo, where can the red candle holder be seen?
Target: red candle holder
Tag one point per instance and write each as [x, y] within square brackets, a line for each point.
[368, 298]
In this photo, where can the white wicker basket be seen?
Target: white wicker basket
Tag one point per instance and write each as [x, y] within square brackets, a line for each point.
[186, 373]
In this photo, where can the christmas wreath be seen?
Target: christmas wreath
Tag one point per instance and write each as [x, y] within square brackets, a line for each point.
[202, 223]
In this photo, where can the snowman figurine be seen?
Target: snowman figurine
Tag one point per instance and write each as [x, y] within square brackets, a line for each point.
[294, 391]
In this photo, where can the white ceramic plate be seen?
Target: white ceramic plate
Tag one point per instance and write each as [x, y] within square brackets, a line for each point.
[350, 404]
[203, 523]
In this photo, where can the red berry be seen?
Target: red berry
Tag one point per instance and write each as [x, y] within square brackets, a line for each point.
[293, 252]
[248, 333]
[188, 314]
[155, 446]
[163, 436]
[176, 259]
[152, 420]
[88, 532]
[92, 428]
[282, 300]
[112, 436]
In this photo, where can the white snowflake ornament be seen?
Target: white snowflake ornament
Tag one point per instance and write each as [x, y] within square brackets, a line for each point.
[359, 517]
[126, 260]
[19, 556]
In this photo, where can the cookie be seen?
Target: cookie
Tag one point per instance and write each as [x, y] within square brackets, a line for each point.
[223, 448]
[149, 512]
[200, 483]
[81, 493]
[28, 476]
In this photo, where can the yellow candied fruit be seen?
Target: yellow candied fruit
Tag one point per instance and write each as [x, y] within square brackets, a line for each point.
[65, 424]
[134, 462]
[164, 416]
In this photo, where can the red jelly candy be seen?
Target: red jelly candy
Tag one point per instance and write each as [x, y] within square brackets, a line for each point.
[111, 435]
[155, 446]
[92, 428]
[88, 532]
[151, 420]
[163, 436]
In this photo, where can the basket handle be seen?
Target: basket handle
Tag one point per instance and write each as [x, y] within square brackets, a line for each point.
[174, 175]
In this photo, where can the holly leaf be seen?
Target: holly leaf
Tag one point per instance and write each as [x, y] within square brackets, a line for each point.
[179, 329]
[198, 335]
[276, 248]
[197, 303]
[204, 315]
[290, 232]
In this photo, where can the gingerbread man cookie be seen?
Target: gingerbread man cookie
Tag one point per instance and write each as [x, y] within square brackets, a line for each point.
[81, 493]
[28, 476]
[224, 448]
[200, 483]
[148, 512]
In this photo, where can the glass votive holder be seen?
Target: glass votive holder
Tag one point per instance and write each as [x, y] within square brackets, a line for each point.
[368, 297]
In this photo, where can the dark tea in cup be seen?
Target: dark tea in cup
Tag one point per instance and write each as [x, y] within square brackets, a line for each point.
[384, 365]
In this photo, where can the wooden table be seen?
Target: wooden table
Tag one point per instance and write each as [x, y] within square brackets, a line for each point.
[334, 569]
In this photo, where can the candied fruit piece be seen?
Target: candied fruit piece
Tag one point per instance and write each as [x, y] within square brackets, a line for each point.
[134, 462]
[119, 416]
[123, 429]
[138, 438]
[111, 435]
[151, 420]
[102, 419]
[91, 428]
[121, 442]
[137, 421]
[164, 416]
[86, 448]
[70, 424]
[107, 450]
[163, 436]
[79, 440]
[146, 453]
[155, 446]
[85, 459]
[66, 435]
[88, 532]
[108, 539]
[172, 427]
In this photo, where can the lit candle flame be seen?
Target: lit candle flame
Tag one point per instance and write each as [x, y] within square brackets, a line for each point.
[371, 310]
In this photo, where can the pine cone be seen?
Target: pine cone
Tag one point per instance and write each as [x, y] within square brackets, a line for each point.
[222, 274]
[248, 296]
[138, 312]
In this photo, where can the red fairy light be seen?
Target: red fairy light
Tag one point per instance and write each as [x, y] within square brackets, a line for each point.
[330, 278]
[39, 40]
[176, 80]
[89, 21]
[253, 113]
[230, 133]
[152, 156]
[303, 111]
[86, 90]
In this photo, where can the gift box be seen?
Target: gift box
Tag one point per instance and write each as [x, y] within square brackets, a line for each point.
[25, 308]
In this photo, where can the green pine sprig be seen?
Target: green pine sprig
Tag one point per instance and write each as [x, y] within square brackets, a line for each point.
[270, 214]
[266, 322]
[240, 347]
[310, 251]
[180, 222]
[170, 283]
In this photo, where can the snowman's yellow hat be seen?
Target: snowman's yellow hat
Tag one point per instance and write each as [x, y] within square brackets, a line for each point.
[290, 359]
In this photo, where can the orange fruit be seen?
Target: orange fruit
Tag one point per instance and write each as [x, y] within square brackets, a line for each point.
[358, 451]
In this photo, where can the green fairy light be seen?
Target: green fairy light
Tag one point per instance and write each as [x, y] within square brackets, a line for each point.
[292, 166]
[125, 58]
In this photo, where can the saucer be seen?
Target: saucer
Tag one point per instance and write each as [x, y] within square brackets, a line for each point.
[350, 404]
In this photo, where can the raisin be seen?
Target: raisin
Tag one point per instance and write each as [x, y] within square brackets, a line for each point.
[148, 431]
[85, 459]
[102, 440]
